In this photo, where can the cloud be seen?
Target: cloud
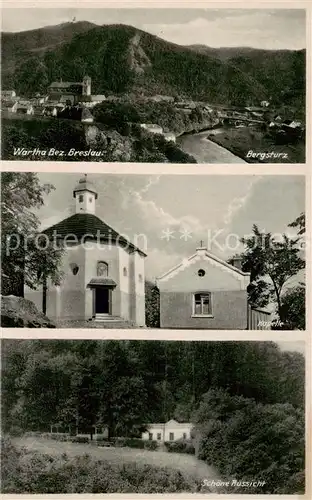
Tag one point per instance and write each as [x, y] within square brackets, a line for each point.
[239, 202]
[260, 29]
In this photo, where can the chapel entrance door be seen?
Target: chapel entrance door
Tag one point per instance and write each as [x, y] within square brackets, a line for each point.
[102, 301]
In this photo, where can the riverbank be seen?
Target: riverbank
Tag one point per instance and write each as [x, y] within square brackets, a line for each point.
[252, 146]
[205, 150]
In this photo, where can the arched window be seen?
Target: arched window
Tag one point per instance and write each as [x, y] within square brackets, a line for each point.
[125, 272]
[102, 269]
[74, 268]
[80, 198]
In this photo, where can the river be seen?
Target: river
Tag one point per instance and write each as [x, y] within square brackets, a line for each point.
[204, 150]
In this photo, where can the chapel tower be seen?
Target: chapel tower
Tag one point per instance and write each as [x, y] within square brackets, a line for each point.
[85, 195]
[86, 85]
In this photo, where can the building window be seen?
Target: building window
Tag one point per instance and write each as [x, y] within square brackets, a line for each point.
[184, 435]
[80, 198]
[158, 436]
[150, 436]
[202, 304]
[102, 269]
[74, 268]
[125, 272]
[90, 199]
[171, 436]
[140, 278]
[201, 273]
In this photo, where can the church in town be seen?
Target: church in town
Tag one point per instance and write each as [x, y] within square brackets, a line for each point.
[103, 274]
[206, 292]
[74, 93]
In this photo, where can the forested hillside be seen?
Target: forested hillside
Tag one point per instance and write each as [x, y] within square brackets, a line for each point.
[122, 59]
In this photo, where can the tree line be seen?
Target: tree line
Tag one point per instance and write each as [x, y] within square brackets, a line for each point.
[126, 384]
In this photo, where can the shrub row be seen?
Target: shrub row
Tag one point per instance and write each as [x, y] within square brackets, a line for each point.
[29, 472]
[181, 446]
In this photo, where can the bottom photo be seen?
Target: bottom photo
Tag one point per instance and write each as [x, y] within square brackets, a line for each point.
[147, 416]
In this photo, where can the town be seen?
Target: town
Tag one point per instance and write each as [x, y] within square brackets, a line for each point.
[75, 101]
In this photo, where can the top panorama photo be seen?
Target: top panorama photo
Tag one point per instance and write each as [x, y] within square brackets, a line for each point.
[154, 85]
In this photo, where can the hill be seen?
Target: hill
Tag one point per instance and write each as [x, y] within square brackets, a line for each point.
[17, 47]
[124, 60]
[281, 72]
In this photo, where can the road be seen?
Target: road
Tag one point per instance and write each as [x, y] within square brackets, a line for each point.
[206, 151]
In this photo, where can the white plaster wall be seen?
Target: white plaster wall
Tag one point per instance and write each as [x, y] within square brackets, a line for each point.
[177, 430]
[124, 282]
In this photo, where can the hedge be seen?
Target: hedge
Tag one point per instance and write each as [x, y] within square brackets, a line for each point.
[180, 446]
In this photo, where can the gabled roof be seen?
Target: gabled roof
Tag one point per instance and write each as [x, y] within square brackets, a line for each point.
[88, 226]
[202, 253]
[63, 85]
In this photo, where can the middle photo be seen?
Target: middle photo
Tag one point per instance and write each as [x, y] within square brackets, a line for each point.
[147, 251]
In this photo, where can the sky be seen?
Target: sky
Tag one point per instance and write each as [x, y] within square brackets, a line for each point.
[218, 210]
[258, 28]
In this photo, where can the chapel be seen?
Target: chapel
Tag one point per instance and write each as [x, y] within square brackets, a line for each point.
[103, 274]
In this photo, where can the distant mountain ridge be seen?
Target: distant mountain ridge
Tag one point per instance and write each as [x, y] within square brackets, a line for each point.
[122, 59]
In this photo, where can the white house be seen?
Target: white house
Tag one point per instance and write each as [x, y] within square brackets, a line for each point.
[170, 136]
[152, 127]
[169, 431]
[8, 94]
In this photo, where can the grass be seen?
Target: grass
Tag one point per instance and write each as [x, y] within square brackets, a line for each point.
[241, 140]
[187, 465]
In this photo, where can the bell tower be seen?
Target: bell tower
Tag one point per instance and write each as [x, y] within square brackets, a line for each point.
[86, 85]
[85, 195]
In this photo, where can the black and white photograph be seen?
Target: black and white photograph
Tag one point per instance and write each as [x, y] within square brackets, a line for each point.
[144, 416]
[210, 252]
[154, 85]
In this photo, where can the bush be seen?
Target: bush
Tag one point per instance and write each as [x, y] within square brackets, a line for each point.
[181, 446]
[24, 472]
[16, 431]
[134, 443]
[151, 445]
[79, 439]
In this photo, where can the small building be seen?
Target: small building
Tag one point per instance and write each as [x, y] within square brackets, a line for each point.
[103, 274]
[152, 127]
[52, 109]
[24, 108]
[170, 431]
[204, 292]
[292, 123]
[170, 136]
[90, 101]
[8, 94]
[265, 104]
[10, 106]
[86, 116]
[277, 119]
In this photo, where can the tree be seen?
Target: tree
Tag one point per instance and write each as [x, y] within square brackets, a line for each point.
[293, 307]
[299, 223]
[28, 258]
[271, 264]
[152, 305]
